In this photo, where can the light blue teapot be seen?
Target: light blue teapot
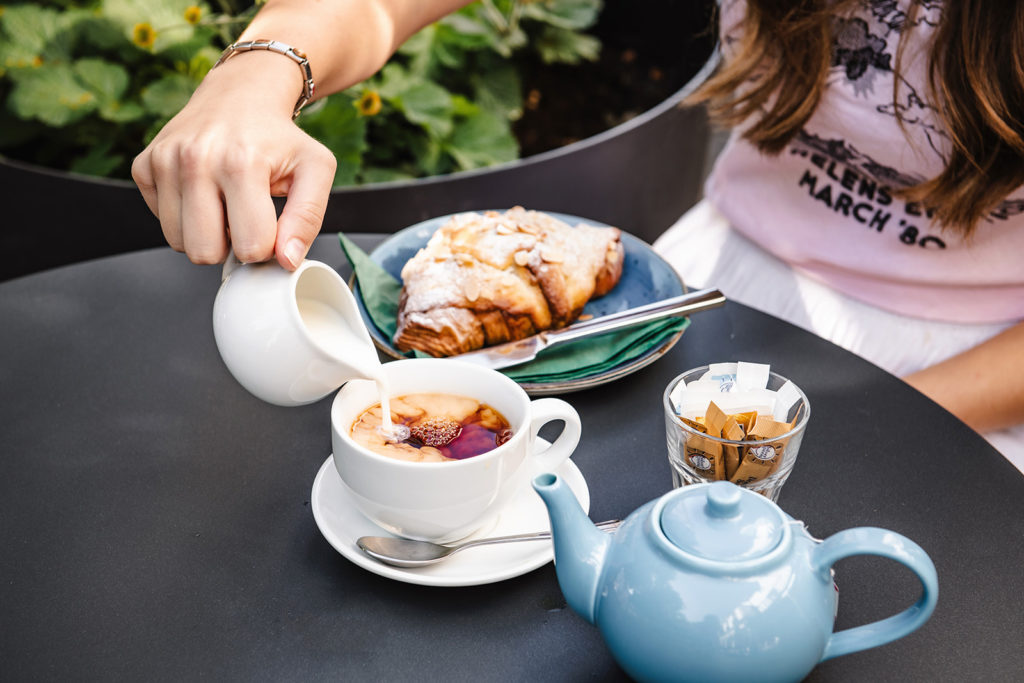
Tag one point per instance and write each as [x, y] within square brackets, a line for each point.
[713, 582]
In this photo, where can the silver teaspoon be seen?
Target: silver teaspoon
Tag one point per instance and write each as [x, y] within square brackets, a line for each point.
[404, 552]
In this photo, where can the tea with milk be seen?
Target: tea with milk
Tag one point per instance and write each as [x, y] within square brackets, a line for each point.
[438, 428]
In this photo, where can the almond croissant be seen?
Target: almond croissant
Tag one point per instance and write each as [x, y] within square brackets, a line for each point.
[489, 278]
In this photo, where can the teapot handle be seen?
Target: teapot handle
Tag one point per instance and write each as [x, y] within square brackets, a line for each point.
[874, 541]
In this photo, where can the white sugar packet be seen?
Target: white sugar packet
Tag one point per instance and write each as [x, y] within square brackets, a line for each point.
[724, 374]
[691, 404]
[751, 376]
[785, 398]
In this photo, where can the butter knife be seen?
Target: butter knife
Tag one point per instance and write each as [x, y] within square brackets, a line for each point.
[524, 350]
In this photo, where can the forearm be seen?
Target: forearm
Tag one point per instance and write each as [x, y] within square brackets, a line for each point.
[346, 41]
[209, 174]
[983, 386]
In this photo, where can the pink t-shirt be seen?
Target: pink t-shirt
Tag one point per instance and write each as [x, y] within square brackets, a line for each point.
[826, 205]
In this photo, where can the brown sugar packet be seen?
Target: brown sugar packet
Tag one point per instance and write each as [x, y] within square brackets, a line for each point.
[705, 455]
[734, 432]
[714, 419]
[693, 424]
[760, 461]
[746, 420]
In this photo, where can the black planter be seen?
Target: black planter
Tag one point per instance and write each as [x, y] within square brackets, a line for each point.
[640, 175]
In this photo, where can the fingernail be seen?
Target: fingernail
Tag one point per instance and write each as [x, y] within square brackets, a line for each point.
[295, 251]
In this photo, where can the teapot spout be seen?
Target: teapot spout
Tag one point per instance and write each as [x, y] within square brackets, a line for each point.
[580, 548]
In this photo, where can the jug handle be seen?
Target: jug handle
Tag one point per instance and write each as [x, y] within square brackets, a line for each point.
[874, 541]
[230, 264]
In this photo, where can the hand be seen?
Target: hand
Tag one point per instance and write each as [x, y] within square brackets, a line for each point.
[209, 175]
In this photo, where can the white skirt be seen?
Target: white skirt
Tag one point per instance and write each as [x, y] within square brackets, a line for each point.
[707, 252]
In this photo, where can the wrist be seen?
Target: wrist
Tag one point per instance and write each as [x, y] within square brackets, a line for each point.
[259, 78]
[288, 52]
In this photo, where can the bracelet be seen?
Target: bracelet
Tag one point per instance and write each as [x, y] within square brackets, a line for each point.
[308, 86]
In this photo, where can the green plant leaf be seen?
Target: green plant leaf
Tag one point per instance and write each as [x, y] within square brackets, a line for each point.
[377, 174]
[500, 91]
[560, 45]
[392, 81]
[338, 126]
[98, 161]
[201, 62]
[429, 155]
[167, 17]
[466, 28]
[182, 47]
[168, 95]
[567, 14]
[121, 112]
[427, 104]
[28, 30]
[100, 32]
[463, 106]
[51, 94]
[482, 140]
[444, 45]
[106, 80]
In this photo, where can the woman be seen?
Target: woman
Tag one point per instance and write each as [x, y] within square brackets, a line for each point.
[871, 191]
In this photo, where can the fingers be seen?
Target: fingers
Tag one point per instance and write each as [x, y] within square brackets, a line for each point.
[142, 174]
[303, 212]
[251, 216]
[202, 219]
[211, 191]
[201, 212]
[164, 166]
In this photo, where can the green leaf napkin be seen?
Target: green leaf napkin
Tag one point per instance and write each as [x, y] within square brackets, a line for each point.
[583, 358]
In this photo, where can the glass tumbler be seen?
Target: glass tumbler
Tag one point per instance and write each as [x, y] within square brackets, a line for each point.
[761, 465]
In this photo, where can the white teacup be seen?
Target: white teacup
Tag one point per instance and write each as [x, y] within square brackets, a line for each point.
[446, 501]
[290, 338]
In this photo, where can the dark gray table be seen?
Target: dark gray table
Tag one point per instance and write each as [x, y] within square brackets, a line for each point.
[155, 520]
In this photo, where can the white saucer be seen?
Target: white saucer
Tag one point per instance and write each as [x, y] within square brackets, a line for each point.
[341, 524]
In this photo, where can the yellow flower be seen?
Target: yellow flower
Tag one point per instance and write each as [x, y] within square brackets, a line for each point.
[37, 61]
[144, 35]
[193, 14]
[368, 103]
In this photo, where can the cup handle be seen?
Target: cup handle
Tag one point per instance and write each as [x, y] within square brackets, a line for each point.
[874, 541]
[545, 410]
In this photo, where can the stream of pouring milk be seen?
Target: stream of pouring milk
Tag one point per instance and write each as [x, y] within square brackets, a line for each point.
[330, 329]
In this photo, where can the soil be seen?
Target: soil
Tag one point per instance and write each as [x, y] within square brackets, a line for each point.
[621, 85]
[644, 60]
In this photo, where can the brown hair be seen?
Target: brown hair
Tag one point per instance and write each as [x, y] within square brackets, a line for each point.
[976, 80]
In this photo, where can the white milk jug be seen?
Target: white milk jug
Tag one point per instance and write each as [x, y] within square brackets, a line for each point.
[291, 338]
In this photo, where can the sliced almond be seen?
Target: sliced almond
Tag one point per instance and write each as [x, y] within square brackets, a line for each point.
[471, 290]
[550, 255]
[522, 258]
[504, 229]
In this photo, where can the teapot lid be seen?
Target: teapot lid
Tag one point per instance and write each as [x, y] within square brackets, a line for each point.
[722, 522]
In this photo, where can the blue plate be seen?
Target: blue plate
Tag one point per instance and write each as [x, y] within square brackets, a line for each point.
[646, 277]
